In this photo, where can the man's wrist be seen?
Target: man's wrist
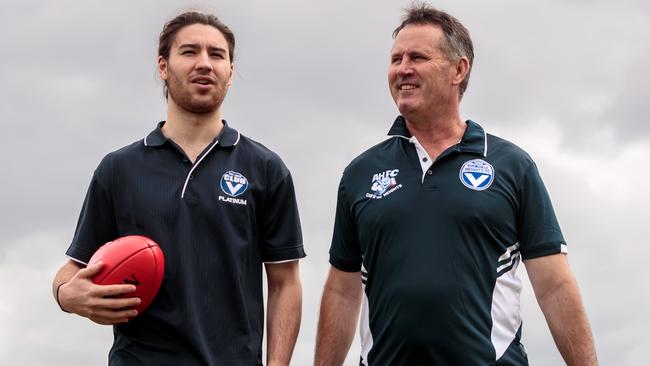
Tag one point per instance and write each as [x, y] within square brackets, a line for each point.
[56, 296]
[277, 363]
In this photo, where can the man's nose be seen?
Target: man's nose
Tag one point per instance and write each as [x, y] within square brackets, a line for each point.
[203, 61]
[405, 67]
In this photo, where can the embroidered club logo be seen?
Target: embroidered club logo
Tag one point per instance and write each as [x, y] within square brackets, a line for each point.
[233, 183]
[383, 184]
[477, 174]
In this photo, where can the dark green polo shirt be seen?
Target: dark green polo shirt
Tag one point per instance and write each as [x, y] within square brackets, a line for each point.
[438, 244]
[216, 220]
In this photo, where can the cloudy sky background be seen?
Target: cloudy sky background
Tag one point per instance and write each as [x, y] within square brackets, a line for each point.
[565, 80]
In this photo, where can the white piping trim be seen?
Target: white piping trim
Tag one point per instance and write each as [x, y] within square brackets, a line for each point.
[564, 249]
[365, 333]
[404, 137]
[506, 265]
[284, 261]
[145, 141]
[509, 249]
[505, 310]
[77, 260]
[238, 136]
[194, 167]
[485, 144]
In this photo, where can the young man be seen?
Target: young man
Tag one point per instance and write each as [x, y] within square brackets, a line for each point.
[432, 224]
[172, 186]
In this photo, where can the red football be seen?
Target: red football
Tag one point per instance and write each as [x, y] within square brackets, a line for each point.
[135, 260]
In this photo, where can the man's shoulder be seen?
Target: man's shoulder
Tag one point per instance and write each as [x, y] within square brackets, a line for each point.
[380, 152]
[124, 154]
[508, 158]
[118, 160]
[257, 151]
[505, 149]
[263, 158]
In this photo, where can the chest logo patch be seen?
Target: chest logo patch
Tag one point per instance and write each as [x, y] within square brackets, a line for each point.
[477, 174]
[233, 184]
[383, 184]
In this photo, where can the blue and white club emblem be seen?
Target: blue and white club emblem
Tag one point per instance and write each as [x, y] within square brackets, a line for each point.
[233, 183]
[477, 174]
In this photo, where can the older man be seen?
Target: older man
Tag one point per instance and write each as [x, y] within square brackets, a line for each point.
[432, 223]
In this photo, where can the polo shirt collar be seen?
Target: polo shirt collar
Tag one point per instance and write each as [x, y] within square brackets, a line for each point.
[474, 139]
[399, 128]
[228, 136]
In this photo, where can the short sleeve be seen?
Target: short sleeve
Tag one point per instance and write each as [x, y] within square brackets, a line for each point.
[345, 252]
[281, 237]
[538, 229]
[96, 225]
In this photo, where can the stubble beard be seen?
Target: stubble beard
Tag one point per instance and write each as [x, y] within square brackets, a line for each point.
[194, 102]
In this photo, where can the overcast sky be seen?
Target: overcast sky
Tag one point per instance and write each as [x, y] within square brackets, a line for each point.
[565, 80]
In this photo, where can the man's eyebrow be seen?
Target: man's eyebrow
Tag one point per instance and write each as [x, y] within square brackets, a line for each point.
[196, 45]
[188, 45]
[417, 53]
[218, 49]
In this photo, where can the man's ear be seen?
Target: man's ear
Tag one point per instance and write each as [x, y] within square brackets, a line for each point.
[232, 69]
[162, 68]
[461, 70]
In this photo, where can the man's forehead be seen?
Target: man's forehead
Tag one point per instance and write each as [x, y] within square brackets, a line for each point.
[200, 34]
[417, 37]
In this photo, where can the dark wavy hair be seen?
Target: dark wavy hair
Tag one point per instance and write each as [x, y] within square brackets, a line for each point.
[180, 21]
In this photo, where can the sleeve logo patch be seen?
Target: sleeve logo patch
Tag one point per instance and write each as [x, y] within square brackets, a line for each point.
[233, 184]
[477, 174]
[383, 184]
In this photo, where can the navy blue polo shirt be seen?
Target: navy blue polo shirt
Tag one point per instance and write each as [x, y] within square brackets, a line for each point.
[217, 221]
[438, 245]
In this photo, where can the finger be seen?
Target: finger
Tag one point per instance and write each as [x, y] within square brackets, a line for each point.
[90, 270]
[111, 314]
[100, 321]
[115, 304]
[114, 290]
[104, 321]
[108, 317]
[117, 316]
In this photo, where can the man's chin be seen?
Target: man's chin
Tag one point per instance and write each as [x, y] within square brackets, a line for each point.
[406, 108]
[196, 103]
[198, 108]
[202, 105]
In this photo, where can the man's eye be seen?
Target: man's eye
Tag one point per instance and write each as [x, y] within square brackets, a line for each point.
[396, 60]
[217, 55]
[187, 52]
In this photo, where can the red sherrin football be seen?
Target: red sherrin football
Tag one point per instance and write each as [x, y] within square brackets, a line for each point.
[135, 260]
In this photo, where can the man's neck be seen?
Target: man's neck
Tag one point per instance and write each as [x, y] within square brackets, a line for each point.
[436, 133]
[193, 132]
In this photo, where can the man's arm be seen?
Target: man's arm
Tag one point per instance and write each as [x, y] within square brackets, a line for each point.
[284, 310]
[75, 292]
[559, 298]
[339, 313]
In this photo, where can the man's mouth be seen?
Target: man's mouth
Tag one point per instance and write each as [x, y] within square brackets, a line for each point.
[202, 81]
[407, 87]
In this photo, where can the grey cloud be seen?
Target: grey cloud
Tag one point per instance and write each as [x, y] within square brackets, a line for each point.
[78, 80]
